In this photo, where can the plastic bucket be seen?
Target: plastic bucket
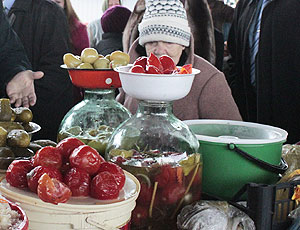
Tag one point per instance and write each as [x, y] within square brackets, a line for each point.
[78, 212]
[235, 153]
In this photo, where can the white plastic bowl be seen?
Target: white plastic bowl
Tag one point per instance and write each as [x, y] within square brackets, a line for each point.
[156, 87]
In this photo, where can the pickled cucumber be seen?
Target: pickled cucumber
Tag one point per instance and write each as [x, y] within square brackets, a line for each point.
[18, 138]
[3, 135]
[5, 110]
[23, 114]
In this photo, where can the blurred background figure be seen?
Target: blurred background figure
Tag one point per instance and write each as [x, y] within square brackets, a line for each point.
[43, 29]
[94, 28]
[113, 22]
[78, 31]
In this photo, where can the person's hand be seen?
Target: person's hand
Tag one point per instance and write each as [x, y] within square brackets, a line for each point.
[20, 89]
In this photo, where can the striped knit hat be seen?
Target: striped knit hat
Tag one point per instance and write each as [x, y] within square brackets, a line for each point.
[164, 20]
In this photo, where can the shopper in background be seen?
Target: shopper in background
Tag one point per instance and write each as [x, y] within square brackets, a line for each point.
[94, 28]
[264, 42]
[43, 29]
[16, 78]
[210, 95]
[78, 31]
[113, 22]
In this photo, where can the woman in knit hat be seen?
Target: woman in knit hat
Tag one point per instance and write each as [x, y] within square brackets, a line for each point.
[163, 30]
[113, 22]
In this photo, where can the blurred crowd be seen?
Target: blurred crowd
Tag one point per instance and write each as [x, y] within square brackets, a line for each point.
[248, 55]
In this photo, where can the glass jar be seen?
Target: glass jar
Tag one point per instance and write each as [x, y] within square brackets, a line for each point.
[93, 119]
[162, 153]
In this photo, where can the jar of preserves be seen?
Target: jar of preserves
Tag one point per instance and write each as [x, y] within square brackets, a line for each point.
[162, 153]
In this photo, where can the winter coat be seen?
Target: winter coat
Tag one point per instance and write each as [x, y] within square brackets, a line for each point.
[12, 54]
[276, 99]
[43, 29]
[200, 21]
[110, 42]
[210, 96]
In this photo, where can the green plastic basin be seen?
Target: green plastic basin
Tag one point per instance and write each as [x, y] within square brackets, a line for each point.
[225, 171]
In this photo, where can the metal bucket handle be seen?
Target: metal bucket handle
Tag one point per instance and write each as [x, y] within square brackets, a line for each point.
[278, 169]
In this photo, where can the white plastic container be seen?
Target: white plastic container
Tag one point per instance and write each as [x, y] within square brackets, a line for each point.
[79, 212]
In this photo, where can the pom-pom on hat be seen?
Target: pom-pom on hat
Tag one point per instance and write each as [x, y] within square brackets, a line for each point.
[164, 20]
[114, 19]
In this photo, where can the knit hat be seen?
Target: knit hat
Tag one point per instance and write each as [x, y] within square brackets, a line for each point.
[164, 20]
[115, 19]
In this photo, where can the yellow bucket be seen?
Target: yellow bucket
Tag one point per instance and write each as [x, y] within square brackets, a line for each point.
[79, 212]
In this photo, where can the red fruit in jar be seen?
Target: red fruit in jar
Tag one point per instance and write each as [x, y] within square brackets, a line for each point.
[137, 69]
[86, 158]
[34, 175]
[166, 176]
[78, 181]
[104, 186]
[66, 146]
[139, 215]
[142, 61]
[16, 173]
[168, 64]
[48, 156]
[172, 194]
[52, 190]
[145, 195]
[151, 69]
[153, 60]
[186, 69]
[114, 169]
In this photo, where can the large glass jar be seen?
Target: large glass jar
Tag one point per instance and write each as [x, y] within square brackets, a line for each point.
[162, 153]
[93, 119]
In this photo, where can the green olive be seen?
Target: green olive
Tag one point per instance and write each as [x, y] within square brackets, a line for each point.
[117, 62]
[101, 63]
[5, 110]
[3, 135]
[107, 57]
[120, 55]
[71, 60]
[85, 66]
[18, 138]
[23, 114]
[89, 55]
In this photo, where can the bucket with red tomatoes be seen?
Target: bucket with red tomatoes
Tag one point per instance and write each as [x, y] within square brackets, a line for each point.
[78, 212]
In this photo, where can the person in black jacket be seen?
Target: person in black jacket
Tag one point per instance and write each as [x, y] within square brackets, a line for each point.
[43, 29]
[16, 78]
[113, 22]
[270, 94]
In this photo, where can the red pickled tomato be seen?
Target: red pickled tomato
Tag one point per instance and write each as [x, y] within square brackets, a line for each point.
[145, 195]
[66, 146]
[142, 61]
[153, 60]
[186, 69]
[115, 170]
[172, 194]
[48, 156]
[151, 69]
[52, 191]
[78, 181]
[104, 186]
[34, 175]
[86, 158]
[137, 69]
[167, 176]
[168, 64]
[16, 173]
[139, 215]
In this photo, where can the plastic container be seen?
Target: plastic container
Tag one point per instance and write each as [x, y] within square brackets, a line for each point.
[236, 153]
[78, 212]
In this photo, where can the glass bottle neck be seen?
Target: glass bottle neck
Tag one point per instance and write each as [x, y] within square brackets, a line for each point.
[154, 108]
[99, 94]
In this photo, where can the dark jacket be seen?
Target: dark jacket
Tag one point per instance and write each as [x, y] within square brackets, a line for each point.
[43, 29]
[12, 55]
[276, 99]
[110, 42]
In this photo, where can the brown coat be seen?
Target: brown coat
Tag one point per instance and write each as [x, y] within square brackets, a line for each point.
[210, 96]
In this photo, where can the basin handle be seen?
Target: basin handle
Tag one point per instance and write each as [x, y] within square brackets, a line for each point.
[278, 169]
